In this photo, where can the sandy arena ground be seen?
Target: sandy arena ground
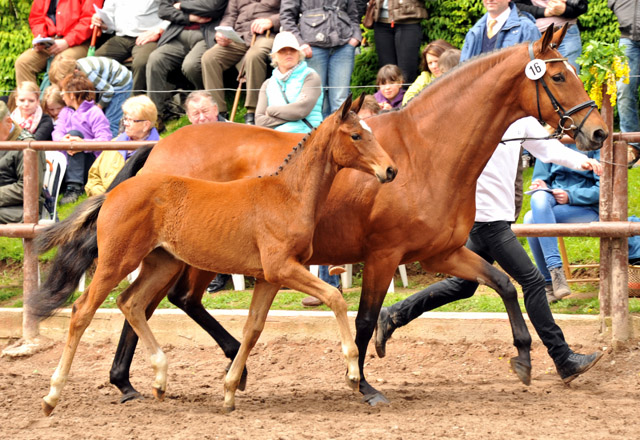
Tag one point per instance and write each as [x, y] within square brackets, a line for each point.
[296, 391]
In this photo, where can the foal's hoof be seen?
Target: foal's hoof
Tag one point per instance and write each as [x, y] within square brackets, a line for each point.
[158, 394]
[134, 395]
[522, 370]
[352, 382]
[46, 408]
[229, 409]
[243, 379]
[374, 399]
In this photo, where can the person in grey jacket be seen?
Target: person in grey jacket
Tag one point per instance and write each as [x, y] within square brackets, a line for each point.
[628, 14]
[190, 33]
[328, 32]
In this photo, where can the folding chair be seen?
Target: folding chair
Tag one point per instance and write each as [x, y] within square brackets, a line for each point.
[53, 175]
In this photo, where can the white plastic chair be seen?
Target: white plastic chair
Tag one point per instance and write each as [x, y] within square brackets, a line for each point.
[347, 277]
[53, 175]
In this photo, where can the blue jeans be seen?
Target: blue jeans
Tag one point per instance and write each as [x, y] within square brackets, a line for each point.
[571, 46]
[545, 209]
[493, 241]
[628, 93]
[323, 274]
[334, 65]
[113, 112]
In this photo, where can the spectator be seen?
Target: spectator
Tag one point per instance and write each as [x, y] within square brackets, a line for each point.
[370, 107]
[201, 108]
[291, 100]
[110, 79]
[139, 120]
[81, 119]
[190, 33]
[559, 13]
[328, 46]
[629, 20]
[573, 198]
[429, 66]
[398, 34]
[52, 102]
[389, 80]
[492, 238]
[29, 114]
[12, 170]
[246, 17]
[508, 28]
[136, 28]
[449, 59]
[67, 21]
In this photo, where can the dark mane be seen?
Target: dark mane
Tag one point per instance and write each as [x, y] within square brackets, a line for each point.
[297, 149]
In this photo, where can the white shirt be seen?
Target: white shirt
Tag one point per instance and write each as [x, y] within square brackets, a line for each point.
[500, 20]
[495, 190]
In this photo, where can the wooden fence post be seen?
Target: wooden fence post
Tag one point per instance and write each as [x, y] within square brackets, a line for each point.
[30, 328]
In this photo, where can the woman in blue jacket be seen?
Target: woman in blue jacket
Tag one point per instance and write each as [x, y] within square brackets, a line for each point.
[560, 195]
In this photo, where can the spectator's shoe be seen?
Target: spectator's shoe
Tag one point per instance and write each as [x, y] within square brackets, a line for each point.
[559, 282]
[250, 118]
[576, 364]
[160, 126]
[336, 270]
[218, 282]
[633, 155]
[383, 331]
[72, 194]
[548, 290]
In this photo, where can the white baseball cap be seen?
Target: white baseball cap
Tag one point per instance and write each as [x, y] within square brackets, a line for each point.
[285, 39]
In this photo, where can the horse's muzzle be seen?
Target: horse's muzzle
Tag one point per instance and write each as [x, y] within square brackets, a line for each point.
[585, 142]
[390, 174]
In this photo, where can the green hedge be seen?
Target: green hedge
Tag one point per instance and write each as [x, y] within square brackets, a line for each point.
[448, 19]
[451, 19]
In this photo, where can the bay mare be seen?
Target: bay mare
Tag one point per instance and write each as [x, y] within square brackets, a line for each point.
[441, 141]
[267, 223]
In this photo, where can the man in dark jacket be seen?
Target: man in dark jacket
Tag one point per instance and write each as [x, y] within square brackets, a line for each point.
[628, 15]
[190, 34]
[246, 18]
[12, 169]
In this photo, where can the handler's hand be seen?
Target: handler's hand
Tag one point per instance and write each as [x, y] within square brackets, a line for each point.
[593, 165]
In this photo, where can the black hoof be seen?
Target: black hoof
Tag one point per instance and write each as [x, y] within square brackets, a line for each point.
[374, 399]
[134, 395]
[522, 370]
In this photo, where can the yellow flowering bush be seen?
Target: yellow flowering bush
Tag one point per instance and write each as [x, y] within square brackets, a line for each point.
[603, 63]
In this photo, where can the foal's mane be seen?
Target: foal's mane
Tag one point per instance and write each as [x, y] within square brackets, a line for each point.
[297, 149]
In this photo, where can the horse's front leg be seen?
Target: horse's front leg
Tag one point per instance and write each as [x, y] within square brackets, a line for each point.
[377, 274]
[263, 295]
[296, 276]
[466, 264]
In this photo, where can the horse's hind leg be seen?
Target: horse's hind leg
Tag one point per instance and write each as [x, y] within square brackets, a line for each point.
[159, 271]
[187, 295]
[263, 295]
[84, 308]
[466, 264]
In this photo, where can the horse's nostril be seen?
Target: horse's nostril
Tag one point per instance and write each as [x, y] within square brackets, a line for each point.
[600, 135]
[391, 173]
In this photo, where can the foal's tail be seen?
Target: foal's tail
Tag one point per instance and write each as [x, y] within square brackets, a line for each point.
[78, 248]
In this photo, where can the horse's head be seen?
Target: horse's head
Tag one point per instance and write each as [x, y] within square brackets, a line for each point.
[554, 94]
[353, 145]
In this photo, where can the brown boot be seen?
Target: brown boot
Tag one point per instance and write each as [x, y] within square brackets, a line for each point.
[559, 281]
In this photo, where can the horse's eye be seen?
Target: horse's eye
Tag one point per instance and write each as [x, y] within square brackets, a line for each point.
[558, 77]
[355, 137]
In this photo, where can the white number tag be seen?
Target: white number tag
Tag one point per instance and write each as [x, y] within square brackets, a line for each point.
[535, 69]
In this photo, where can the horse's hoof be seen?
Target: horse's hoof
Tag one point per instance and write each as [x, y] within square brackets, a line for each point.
[158, 394]
[131, 396]
[522, 370]
[229, 409]
[243, 379]
[46, 408]
[374, 399]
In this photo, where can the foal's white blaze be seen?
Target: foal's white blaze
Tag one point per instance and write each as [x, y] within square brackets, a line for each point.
[571, 69]
[365, 126]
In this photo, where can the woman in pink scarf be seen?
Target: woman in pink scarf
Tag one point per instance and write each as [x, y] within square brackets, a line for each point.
[29, 114]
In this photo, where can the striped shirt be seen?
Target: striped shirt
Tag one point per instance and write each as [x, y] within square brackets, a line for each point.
[107, 76]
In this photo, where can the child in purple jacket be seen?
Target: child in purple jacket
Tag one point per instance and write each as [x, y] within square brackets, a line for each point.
[389, 80]
[81, 119]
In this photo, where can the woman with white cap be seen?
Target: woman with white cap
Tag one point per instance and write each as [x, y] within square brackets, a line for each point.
[291, 99]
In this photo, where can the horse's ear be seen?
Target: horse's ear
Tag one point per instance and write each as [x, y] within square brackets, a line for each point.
[546, 39]
[356, 106]
[346, 107]
[558, 36]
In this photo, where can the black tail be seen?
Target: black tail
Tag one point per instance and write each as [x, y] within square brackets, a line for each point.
[77, 239]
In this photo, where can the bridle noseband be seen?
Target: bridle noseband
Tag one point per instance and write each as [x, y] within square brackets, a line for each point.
[565, 116]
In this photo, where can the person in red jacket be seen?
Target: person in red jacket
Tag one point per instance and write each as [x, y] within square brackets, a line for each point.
[67, 22]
